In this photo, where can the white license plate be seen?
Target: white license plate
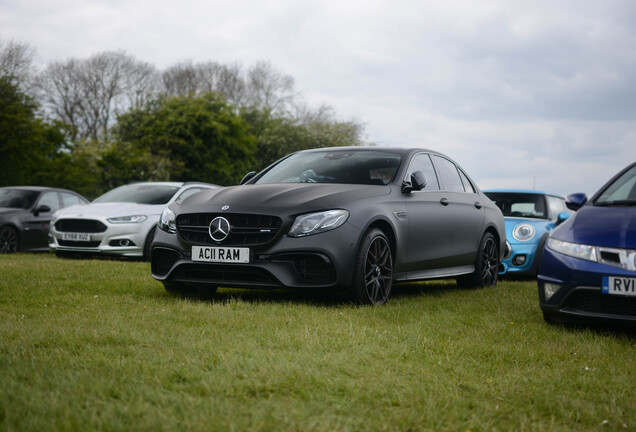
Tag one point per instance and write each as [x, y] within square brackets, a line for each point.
[220, 254]
[619, 286]
[85, 237]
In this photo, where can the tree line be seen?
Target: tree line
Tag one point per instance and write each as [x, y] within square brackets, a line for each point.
[96, 123]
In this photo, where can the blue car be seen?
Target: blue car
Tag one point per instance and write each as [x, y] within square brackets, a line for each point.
[588, 268]
[530, 215]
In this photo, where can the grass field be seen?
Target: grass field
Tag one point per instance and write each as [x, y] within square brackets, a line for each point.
[100, 345]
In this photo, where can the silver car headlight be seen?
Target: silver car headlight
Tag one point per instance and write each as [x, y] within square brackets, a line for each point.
[523, 232]
[573, 249]
[127, 219]
[167, 221]
[314, 223]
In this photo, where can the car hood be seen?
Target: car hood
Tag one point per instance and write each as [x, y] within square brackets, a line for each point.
[110, 210]
[291, 198]
[601, 226]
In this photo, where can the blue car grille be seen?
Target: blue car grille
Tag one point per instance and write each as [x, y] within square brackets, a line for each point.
[246, 229]
[599, 303]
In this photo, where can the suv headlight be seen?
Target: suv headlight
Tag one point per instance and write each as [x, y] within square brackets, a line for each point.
[523, 232]
[127, 219]
[167, 221]
[573, 249]
[314, 223]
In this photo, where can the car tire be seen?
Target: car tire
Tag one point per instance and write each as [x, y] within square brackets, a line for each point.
[373, 270]
[9, 240]
[148, 244]
[486, 265]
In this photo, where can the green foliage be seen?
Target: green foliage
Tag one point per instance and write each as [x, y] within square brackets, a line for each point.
[100, 345]
[32, 150]
[278, 136]
[184, 138]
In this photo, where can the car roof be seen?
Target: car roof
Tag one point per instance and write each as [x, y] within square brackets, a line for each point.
[400, 150]
[38, 188]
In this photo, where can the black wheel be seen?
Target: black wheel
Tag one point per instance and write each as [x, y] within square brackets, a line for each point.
[373, 275]
[151, 235]
[9, 240]
[486, 266]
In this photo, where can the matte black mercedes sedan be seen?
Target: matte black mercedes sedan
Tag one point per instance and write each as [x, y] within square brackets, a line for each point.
[25, 214]
[352, 219]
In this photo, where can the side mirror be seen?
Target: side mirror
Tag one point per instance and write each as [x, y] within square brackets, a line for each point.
[42, 209]
[247, 177]
[418, 182]
[575, 201]
[562, 217]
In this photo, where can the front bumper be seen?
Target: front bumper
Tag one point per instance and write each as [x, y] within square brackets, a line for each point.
[118, 239]
[512, 265]
[324, 260]
[580, 297]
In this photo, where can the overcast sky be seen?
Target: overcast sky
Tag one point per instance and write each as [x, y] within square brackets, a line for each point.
[522, 94]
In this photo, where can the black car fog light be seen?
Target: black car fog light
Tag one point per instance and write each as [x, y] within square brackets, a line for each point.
[519, 260]
[121, 242]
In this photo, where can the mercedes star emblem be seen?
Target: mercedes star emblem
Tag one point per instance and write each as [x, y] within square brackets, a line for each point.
[219, 229]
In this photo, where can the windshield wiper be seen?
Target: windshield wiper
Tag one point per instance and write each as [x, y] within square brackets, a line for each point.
[617, 203]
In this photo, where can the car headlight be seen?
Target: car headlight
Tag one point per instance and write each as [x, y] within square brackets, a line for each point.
[314, 223]
[167, 221]
[127, 219]
[573, 249]
[523, 232]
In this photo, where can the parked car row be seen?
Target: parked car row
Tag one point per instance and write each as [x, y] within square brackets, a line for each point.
[352, 220]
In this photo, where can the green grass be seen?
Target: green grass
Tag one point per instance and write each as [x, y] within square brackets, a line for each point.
[100, 345]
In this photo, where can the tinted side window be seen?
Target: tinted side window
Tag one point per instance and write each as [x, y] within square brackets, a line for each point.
[468, 186]
[50, 199]
[422, 162]
[70, 199]
[556, 206]
[448, 174]
[186, 193]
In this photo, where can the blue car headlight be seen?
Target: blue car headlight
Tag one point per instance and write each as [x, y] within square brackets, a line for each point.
[523, 232]
[575, 250]
[314, 223]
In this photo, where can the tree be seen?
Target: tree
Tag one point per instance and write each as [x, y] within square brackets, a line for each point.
[88, 94]
[187, 138]
[16, 63]
[32, 150]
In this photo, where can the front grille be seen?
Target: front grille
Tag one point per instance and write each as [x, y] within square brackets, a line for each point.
[599, 303]
[223, 274]
[246, 229]
[80, 226]
[79, 244]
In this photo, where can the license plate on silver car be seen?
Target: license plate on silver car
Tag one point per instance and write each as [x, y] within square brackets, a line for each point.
[619, 286]
[220, 254]
[84, 237]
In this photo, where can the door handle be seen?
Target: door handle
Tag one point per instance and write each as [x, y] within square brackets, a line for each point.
[444, 201]
[478, 204]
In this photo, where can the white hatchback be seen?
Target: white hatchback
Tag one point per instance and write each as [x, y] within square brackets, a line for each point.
[121, 222]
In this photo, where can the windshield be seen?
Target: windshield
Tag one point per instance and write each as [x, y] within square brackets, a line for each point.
[17, 198]
[140, 194]
[337, 166]
[621, 192]
[519, 204]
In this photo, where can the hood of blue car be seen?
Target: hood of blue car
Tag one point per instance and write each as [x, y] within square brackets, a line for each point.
[601, 226]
